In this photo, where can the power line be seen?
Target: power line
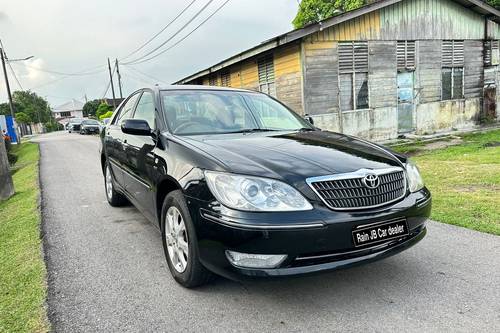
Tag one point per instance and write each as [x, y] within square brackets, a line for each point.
[127, 74]
[15, 76]
[146, 75]
[80, 73]
[161, 31]
[172, 36]
[183, 38]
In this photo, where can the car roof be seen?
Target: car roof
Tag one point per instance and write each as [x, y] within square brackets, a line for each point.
[198, 87]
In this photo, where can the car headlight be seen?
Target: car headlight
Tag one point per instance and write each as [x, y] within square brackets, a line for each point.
[254, 193]
[415, 180]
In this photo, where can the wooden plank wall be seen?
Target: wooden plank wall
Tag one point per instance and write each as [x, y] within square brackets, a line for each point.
[382, 74]
[473, 68]
[288, 76]
[429, 70]
[321, 77]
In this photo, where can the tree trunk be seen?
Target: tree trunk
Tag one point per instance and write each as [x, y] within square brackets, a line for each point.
[6, 184]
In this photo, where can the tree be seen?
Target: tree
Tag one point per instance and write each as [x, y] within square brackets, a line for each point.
[23, 118]
[103, 109]
[494, 3]
[90, 108]
[312, 11]
[6, 184]
[106, 115]
[29, 103]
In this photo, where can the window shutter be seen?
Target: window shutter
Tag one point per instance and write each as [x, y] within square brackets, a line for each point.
[266, 69]
[225, 78]
[346, 57]
[491, 52]
[353, 57]
[405, 54]
[453, 53]
[212, 80]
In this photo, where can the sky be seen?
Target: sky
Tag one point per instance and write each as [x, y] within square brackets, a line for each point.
[77, 36]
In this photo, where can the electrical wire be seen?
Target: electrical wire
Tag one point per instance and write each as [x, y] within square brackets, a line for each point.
[127, 74]
[183, 38]
[147, 75]
[80, 73]
[15, 76]
[172, 36]
[161, 31]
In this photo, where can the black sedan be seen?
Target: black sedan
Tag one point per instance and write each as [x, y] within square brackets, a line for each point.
[90, 126]
[241, 186]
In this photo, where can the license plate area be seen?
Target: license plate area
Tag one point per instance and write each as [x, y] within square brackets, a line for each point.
[379, 232]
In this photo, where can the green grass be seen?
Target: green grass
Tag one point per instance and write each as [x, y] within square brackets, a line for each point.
[464, 181]
[22, 270]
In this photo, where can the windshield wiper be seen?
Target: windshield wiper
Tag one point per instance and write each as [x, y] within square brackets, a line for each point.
[251, 130]
[305, 129]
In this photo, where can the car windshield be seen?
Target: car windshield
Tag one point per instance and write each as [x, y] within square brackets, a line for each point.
[90, 122]
[191, 112]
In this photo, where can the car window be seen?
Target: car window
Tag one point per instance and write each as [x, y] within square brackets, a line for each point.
[192, 112]
[126, 110]
[145, 109]
[206, 112]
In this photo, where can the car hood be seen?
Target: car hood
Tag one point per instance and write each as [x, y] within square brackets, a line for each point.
[292, 156]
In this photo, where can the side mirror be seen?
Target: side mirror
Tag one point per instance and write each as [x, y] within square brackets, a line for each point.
[136, 127]
[309, 119]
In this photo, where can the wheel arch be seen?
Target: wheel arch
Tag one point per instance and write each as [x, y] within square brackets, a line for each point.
[165, 186]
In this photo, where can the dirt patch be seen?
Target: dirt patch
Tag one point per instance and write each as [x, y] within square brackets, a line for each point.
[477, 187]
[442, 144]
[492, 144]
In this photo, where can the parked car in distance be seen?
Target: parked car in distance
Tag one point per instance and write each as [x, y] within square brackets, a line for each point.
[90, 126]
[241, 186]
[74, 125]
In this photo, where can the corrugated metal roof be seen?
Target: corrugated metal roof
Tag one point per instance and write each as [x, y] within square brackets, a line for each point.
[474, 5]
[73, 105]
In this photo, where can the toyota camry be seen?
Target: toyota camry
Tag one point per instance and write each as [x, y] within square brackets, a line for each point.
[241, 186]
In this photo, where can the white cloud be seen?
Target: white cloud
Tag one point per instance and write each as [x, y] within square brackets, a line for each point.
[69, 36]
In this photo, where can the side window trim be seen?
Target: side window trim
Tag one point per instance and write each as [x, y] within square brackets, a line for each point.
[122, 105]
[146, 90]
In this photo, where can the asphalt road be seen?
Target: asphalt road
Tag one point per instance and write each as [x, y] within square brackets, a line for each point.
[107, 272]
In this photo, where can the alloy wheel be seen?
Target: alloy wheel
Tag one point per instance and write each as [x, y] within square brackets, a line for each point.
[109, 183]
[176, 239]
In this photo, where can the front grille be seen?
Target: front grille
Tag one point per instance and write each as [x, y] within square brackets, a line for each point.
[349, 191]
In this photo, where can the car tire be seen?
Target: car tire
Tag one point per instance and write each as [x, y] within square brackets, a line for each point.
[114, 198]
[193, 274]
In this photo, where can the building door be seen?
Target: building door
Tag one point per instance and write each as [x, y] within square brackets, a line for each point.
[489, 103]
[406, 104]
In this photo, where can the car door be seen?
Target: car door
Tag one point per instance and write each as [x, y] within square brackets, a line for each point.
[140, 160]
[114, 139]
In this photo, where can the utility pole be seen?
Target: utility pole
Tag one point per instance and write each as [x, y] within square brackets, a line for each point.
[111, 82]
[119, 78]
[9, 95]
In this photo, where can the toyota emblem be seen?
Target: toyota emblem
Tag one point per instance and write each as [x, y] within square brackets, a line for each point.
[371, 181]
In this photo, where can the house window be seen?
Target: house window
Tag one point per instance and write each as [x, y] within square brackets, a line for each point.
[405, 54]
[65, 114]
[452, 72]
[353, 69]
[212, 80]
[266, 75]
[491, 53]
[225, 78]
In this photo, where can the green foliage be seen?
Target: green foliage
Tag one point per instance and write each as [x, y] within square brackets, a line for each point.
[22, 270]
[102, 109]
[90, 108]
[312, 11]
[106, 115]
[29, 103]
[494, 3]
[23, 118]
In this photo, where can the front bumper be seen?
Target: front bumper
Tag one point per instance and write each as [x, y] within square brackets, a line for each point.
[315, 241]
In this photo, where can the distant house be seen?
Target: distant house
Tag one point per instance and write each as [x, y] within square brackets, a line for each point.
[389, 68]
[68, 110]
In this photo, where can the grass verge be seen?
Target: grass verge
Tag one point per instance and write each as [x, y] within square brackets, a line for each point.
[22, 269]
[464, 180]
